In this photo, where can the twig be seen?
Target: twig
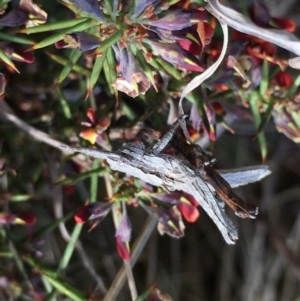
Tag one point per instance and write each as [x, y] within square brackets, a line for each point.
[239, 22]
[7, 113]
[127, 266]
[136, 251]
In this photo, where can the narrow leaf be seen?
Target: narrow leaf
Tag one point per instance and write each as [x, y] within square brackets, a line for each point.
[114, 38]
[63, 61]
[294, 87]
[110, 68]
[52, 226]
[266, 116]
[59, 36]
[53, 26]
[80, 177]
[15, 39]
[257, 120]
[95, 73]
[66, 289]
[7, 60]
[64, 104]
[169, 68]
[94, 181]
[265, 78]
[296, 118]
[145, 294]
[21, 197]
[68, 254]
[73, 58]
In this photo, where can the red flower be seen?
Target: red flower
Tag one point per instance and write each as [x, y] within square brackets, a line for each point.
[284, 79]
[184, 202]
[196, 38]
[17, 217]
[123, 248]
[123, 236]
[170, 222]
[95, 128]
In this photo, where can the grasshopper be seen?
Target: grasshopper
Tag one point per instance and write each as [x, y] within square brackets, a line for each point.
[174, 173]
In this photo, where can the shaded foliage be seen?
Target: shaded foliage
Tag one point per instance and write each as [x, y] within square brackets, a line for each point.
[102, 73]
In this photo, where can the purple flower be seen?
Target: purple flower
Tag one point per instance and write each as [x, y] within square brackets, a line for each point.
[177, 19]
[26, 13]
[174, 54]
[92, 211]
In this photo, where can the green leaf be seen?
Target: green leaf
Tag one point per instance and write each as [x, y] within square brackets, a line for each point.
[63, 287]
[69, 250]
[266, 116]
[63, 61]
[98, 65]
[4, 2]
[64, 104]
[21, 197]
[265, 78]
[52, 226]
[66, 289]
[32, 261]
[168, 68]
[78, 227]
[73, 58]
[296, 118]
[7, 60]
[257, 120]
[145, 66]
[94, 182]
[145, 294]
[109, 68]
[15, 39]
[114, 38]
[292, 90]
[53, 26]
[81, 176]
[129, 112]
[111, 61]
[108, 6]
[59, 36]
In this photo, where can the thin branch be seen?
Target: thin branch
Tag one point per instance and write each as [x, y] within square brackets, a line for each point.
[239, 22]
[136, 251]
